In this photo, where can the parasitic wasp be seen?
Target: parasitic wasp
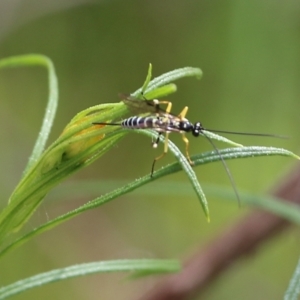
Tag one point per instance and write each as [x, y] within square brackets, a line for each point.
[164, 122]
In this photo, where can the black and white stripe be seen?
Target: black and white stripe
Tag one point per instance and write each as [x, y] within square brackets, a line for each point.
[151, 122]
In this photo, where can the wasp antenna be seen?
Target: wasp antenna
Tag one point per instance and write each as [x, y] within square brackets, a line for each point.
[226, 169]
[249, 133]
[103, 123]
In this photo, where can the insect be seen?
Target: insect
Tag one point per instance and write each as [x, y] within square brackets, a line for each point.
[163, 122]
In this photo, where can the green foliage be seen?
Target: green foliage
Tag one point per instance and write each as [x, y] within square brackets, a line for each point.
[293, 290]
[80, 144]
[138, 268]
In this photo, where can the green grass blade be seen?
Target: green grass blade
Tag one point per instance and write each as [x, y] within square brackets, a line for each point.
[162, 91]
[242, 152]
[148, 78]
[220, 138]
[169, 77]
[175, 189]
[293, 290]
[187, 168]
[199, 159]
[38, 60]
[137, 267]
[81, 143]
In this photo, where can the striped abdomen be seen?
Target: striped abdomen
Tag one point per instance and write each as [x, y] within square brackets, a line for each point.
[160, 124]
[141, 122]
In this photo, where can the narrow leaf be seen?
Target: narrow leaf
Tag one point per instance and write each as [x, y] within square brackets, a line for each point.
[199, 159]
[38, 60]
[169, 77]
[293, 290]
[139, 266]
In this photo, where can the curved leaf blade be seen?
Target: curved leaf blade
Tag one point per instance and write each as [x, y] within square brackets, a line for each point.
[138, 267]
[199, 159]
[44, 61]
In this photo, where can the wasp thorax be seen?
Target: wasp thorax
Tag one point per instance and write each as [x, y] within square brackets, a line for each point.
[185, 126]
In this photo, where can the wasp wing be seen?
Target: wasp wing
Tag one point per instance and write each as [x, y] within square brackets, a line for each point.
[144, 106]
[139, 106]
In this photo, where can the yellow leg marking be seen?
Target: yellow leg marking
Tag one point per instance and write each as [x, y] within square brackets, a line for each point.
[168, 103]
[158, 103]
[186, 141]
[183, 113]
[166, 143]
[162, 155]
[164, 102]
[169, 107]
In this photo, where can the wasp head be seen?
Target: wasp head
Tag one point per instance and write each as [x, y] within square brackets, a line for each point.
[197, 128]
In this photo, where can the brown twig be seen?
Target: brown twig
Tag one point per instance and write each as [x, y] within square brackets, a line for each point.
[234, 243]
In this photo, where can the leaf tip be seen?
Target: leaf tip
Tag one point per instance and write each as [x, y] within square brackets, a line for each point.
[199, 74]
[206, 212]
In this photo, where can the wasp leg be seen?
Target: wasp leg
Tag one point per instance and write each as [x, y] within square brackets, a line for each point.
[154, 145]
[181, 116]
[183, 113]
[186, 141]
[169, 105]
[163, 154]
[157, 104]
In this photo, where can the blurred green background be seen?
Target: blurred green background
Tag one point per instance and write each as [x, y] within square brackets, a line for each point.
[249, 53]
